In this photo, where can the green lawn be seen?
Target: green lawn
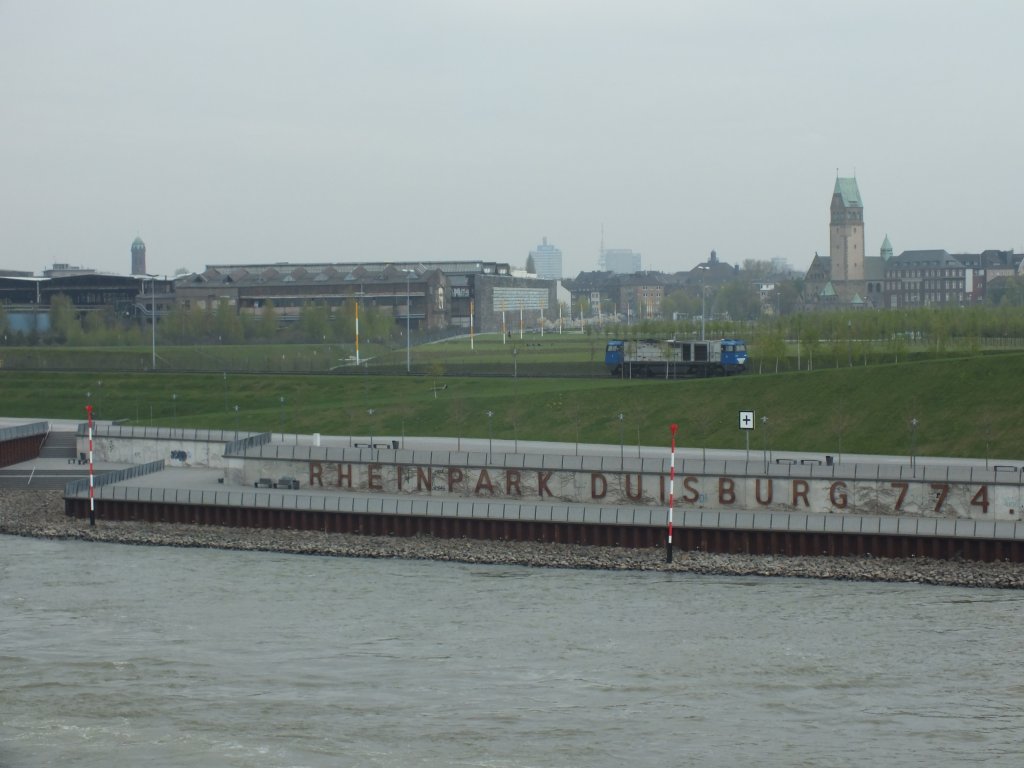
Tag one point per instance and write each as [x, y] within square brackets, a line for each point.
[965, 407]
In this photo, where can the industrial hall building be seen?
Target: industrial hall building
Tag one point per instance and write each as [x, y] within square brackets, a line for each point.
[428, 296]
[478, 295]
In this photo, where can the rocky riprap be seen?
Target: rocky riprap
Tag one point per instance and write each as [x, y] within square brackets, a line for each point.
[40, 514]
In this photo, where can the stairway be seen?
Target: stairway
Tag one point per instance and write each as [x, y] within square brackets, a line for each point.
[58, 445]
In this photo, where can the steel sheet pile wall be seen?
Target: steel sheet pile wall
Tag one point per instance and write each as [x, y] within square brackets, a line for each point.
[22, 443]
[703, 530]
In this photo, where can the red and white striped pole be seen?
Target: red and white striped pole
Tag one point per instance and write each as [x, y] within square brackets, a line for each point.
[92, 502]
[671, 494]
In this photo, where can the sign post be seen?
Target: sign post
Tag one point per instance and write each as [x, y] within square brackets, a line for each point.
[747, 425]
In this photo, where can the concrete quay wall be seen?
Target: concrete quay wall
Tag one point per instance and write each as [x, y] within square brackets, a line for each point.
[953, 512]
[598, 481]
[877, 490]
[176, 447]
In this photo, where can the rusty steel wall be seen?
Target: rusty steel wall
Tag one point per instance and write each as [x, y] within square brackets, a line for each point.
[715, 540]
[20, 449]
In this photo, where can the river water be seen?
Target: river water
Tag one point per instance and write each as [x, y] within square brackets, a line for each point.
[113, 655]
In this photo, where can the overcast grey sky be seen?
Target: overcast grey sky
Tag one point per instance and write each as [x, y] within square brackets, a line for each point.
[259, 131]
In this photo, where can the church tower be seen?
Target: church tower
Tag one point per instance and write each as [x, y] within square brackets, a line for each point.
[886, 250]
[846, 232]
[138, 257]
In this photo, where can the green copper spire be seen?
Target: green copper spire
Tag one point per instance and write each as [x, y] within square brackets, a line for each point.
[847, 190]
[886, 252]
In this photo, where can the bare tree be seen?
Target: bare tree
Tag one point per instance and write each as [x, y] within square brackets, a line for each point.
[840, 423]
[577, 417]
[913, 423]
[987, 431]
[436, 371]
[701, 422]
[405, 410]
[459, 414]
[637, 413]
[514, 411]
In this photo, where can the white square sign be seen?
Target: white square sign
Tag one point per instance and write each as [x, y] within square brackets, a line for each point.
[746, 419]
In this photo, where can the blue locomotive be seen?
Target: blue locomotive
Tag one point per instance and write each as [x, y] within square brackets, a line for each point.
[674, 359]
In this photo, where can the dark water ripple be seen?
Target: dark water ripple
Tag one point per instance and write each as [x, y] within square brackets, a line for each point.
[116, 655]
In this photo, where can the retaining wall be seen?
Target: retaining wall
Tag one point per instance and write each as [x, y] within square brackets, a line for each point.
[866, 489]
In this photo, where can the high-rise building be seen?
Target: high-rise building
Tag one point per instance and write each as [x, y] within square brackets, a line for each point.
[622, 261]
[547, 261]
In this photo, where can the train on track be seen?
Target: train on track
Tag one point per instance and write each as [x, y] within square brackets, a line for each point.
[674, 359]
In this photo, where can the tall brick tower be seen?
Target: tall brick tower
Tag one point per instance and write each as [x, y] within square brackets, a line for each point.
[846, 233]
[138, 257]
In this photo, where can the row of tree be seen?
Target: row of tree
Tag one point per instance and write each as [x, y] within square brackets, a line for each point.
[316, 322]
[311, 324]
[740, 299]
[936, 326]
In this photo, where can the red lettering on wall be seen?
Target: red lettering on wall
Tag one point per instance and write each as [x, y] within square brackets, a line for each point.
[757, 491]
[454, 478]
[344, 474]
[542, 484]
[512, 480]
[943, 489]
[980, 499]
[639, 487]
[800, 489]
[316, 473]
[373, 481]
[424, 478]
[726, 490]
[837, 494]
[598, 486]
[400, 476]
[903, 486]
[690, 486]
[484, 481]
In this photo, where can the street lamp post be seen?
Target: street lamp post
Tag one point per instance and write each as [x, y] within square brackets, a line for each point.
[152, 316]
[764, 425]
[236, 422]
[703, 292]
[490, 435]
[357, 297]
[408, 338]
[282, 418]
[174, 407]
[913, 446]
[370, 412]
[622, 436]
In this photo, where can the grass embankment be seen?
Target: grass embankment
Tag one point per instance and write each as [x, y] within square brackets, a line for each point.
[964, 407]
[486, 351]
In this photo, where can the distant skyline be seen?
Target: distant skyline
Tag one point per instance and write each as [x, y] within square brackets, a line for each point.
[453, 129]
